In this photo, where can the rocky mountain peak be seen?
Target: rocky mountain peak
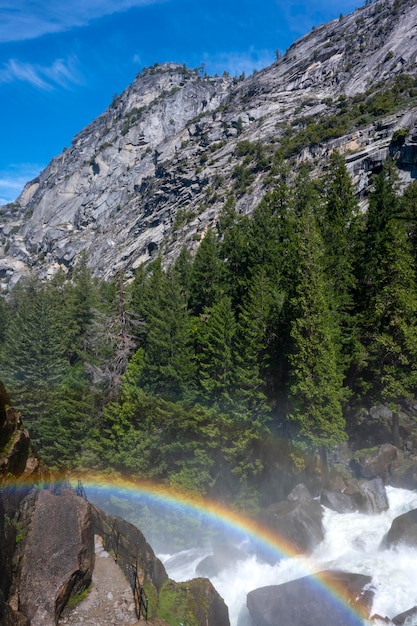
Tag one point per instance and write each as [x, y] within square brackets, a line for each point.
[153, 171]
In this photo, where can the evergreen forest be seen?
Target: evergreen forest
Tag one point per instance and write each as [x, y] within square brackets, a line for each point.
[278, 328]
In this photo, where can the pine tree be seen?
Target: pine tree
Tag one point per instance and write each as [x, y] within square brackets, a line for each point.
[169, 367]
[63, 434]
[408, 212]
[3, 319]
[217, 333]
[339, 227]
[234, 250]
[316, 391]
[388, 296]
[250, 345]
[205, 274]
[34, 358]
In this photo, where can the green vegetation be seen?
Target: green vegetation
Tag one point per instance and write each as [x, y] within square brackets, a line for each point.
[79, 597]
[352, 113]
[178, 606]
[278, 324]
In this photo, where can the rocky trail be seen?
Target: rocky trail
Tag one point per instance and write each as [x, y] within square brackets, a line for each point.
[110, 599]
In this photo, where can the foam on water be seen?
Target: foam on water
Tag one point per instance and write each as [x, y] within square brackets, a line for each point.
[352, 543]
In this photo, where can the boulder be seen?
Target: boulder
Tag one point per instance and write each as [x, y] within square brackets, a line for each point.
[404, 473]
[406, 617]
[339, 502]
[196, 599]
[365, 497]
[224, 555]
[308, 601]
[372, 497]
[380, 412]
[373, 462]
[58, 556]
[299, 523]
[403, 530]
[300, 493]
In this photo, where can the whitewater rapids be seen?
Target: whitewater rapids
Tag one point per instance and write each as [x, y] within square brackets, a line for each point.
[351, 543]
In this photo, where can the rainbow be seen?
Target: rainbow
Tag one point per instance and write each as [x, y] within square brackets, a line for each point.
[212, 511]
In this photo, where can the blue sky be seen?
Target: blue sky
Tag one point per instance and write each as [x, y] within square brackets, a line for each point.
[62, 61]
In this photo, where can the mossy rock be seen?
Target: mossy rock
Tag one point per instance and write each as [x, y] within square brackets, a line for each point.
[192, 603]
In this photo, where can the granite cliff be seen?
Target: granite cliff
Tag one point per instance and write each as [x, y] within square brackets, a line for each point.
[153, 171]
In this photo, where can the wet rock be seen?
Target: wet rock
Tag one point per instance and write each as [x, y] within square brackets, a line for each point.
[372, 497]
[403, 531]
[362, 496]
[299, 523]
[339, 502]
[129, 546]
[305, 602]
[224, 556]
[406, 617]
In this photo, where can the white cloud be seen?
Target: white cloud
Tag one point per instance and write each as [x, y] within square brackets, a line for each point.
[237, 63]
[14, 178]
[62, 73]
[33, 18]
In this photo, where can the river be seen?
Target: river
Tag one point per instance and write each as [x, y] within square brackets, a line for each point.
[351, 543]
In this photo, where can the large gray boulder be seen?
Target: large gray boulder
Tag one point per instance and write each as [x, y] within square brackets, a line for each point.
[403, 530]
[58, 556]
[298, 522]
[308, 602]
[365, 497]
[339, 502]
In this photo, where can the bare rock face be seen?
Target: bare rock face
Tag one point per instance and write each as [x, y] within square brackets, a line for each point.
[306, 602]
[58, 557]
[154, 170]
[404, 473]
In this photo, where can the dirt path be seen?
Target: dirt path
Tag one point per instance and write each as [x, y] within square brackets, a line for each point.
[110, 599]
